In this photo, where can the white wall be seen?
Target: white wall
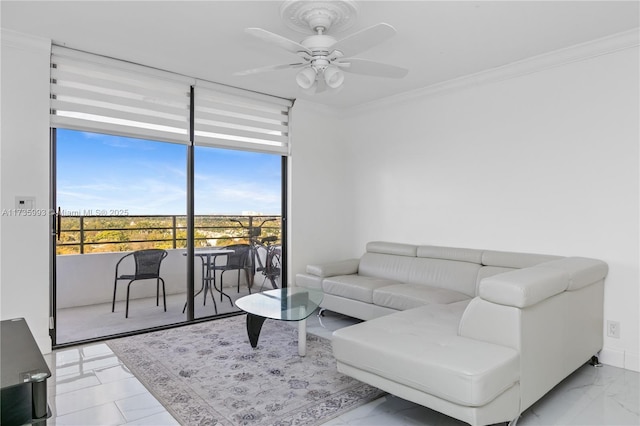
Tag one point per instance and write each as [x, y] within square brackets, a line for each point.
[547, 163]
[320, 208]
[24, 164]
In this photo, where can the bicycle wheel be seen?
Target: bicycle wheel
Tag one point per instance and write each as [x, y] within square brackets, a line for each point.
[273, 266]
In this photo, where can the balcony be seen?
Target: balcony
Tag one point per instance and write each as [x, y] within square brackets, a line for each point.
[84, 276]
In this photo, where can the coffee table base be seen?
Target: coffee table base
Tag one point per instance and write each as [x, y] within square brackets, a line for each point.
[254, 326]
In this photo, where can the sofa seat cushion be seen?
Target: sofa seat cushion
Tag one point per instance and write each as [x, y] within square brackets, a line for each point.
[420, 348]
[408, 296]
[356, 287]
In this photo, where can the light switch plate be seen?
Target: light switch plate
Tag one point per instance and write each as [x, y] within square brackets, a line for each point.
[25, 202]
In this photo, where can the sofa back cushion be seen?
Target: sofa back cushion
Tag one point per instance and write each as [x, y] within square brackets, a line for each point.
[440, 267]
[452, 268]
[387, 266]
[447, 274]
[387, 260]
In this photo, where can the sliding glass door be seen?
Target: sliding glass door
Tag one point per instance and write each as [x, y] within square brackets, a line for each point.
[238, 216]
[144, 159]
[115, 196]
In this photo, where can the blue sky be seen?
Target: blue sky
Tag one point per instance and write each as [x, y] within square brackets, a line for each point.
[103, 172]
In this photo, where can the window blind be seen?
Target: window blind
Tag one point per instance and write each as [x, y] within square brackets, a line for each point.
[234, 118]
[105, 95]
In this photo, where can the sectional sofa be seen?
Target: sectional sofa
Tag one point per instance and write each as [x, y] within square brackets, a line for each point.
[479, 335]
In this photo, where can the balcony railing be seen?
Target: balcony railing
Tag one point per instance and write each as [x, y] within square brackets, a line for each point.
[100, 234]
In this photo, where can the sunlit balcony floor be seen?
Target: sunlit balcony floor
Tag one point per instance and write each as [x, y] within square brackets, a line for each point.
[94, 321]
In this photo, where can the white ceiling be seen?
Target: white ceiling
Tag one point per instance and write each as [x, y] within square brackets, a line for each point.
[436, 40]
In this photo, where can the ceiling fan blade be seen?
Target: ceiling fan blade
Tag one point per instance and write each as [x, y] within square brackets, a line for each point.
[364, 39]
[270, 68]
[282, 42]
[366, 67]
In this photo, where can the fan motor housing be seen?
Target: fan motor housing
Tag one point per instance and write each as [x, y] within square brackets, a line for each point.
[320, 44]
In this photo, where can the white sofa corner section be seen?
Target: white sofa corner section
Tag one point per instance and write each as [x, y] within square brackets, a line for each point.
[478, 335]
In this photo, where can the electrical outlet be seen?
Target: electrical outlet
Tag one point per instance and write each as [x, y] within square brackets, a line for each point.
[613, 329]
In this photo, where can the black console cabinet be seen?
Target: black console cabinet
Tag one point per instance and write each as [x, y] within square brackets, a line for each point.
[24, 376]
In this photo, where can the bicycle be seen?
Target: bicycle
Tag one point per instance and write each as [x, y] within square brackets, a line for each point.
[271, 267]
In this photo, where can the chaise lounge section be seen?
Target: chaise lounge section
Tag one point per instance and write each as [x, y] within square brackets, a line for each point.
[479, 335]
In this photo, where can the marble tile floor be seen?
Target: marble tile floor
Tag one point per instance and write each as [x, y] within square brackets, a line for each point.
[90, 386]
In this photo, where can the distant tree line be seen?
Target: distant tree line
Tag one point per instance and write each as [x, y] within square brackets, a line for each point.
[99, 234]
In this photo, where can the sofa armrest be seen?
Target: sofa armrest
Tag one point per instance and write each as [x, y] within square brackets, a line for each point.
[523, 287]
[551, 313]
[495, 315]
[331, 269]
[528, 286]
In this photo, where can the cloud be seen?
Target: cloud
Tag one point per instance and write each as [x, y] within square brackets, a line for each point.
[131, 177]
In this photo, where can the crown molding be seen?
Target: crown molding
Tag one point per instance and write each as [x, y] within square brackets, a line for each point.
[23, 41]
[310, 105]
[580, 52]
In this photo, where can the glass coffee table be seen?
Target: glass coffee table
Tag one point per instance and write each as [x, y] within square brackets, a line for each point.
[284, 304]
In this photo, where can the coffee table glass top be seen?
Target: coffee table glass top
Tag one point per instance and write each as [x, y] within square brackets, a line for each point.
[286, 304]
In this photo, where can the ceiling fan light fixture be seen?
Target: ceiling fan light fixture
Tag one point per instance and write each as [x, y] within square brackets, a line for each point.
[333, 77]
[306, 78]
[323, 60]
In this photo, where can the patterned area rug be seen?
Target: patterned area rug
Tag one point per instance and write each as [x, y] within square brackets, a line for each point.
[208, 374]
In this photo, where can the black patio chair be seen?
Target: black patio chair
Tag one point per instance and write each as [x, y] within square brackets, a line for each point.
[239, 261]
[147, 267]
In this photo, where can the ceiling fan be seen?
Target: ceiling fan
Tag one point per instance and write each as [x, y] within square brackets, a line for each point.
[323, 59]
